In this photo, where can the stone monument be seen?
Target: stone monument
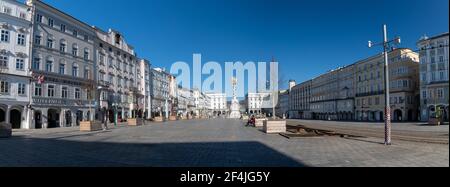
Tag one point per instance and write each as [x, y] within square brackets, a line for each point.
[235, 106]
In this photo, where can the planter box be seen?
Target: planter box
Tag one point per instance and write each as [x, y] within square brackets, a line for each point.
[173, 118]
[134, 122]
[259, 122]
[276, 126]
[89, 126]
[158, 119]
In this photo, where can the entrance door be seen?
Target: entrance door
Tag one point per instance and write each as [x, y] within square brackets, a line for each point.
[2, 115]
[38, 120]
[53, 118]
[79, 117]
[15, 119]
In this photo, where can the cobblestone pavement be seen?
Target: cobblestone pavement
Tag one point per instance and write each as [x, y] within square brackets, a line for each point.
[197, 143]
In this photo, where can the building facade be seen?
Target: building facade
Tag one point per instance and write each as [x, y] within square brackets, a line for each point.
[257, 102]
[63, 55]
[299, 101]
[434, 86]
[15, 74]
[117, 83]
[404, 82]
[282, 107]
[324, 96]
[146, 84]
[160, 92]
[218, 103]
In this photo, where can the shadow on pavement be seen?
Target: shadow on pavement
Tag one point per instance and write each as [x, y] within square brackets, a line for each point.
[32, 152]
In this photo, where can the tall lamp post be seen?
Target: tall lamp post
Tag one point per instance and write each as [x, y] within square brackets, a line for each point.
[387, 111]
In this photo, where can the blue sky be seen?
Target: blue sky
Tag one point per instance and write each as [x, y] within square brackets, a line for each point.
[307, 37]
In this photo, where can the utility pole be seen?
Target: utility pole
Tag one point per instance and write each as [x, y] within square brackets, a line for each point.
[387, 111]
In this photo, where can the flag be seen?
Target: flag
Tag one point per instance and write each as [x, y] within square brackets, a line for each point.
[40, 79]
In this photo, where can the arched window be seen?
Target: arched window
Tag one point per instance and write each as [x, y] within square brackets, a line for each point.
[62, 67]
[87, 73]
[86, 54]
[75, 49]
[62, 46]
[49, 64]
[75, 70]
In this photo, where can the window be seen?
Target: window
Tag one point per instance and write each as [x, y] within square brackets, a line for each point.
[433, 76]
[23, 15]
[424, 94]
[86, 37]
[20, 39]
[440, 93]
[6, 10]
[86, 73]
[51, 91]
[63, 28]
[50, 22]
[86, 54]
[4, 87]
[4, 61]
[77, 93]
[36, 63]
[64, 92]
[75, 50]
[21, 89]
[19, 64]
[110, 62]
[101, 59]
[441, 59]
[62, 47]
[39, 18]
[101, 76]
[50, 43]
[37, 90]
[75, 71]
[62, 68]
[111, 78]
[49, 66]
[441, 76]
[377, 101]
[4, 36]
[75, 33]
[37, 39]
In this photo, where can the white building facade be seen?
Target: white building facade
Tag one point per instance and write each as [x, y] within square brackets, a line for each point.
[218, 104]
[15, 29]
[434, 67]
[63, 53]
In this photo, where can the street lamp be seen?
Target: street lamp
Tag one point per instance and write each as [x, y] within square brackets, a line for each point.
[387, 112]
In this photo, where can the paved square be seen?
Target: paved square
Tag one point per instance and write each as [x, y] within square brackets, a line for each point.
[208, 143]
